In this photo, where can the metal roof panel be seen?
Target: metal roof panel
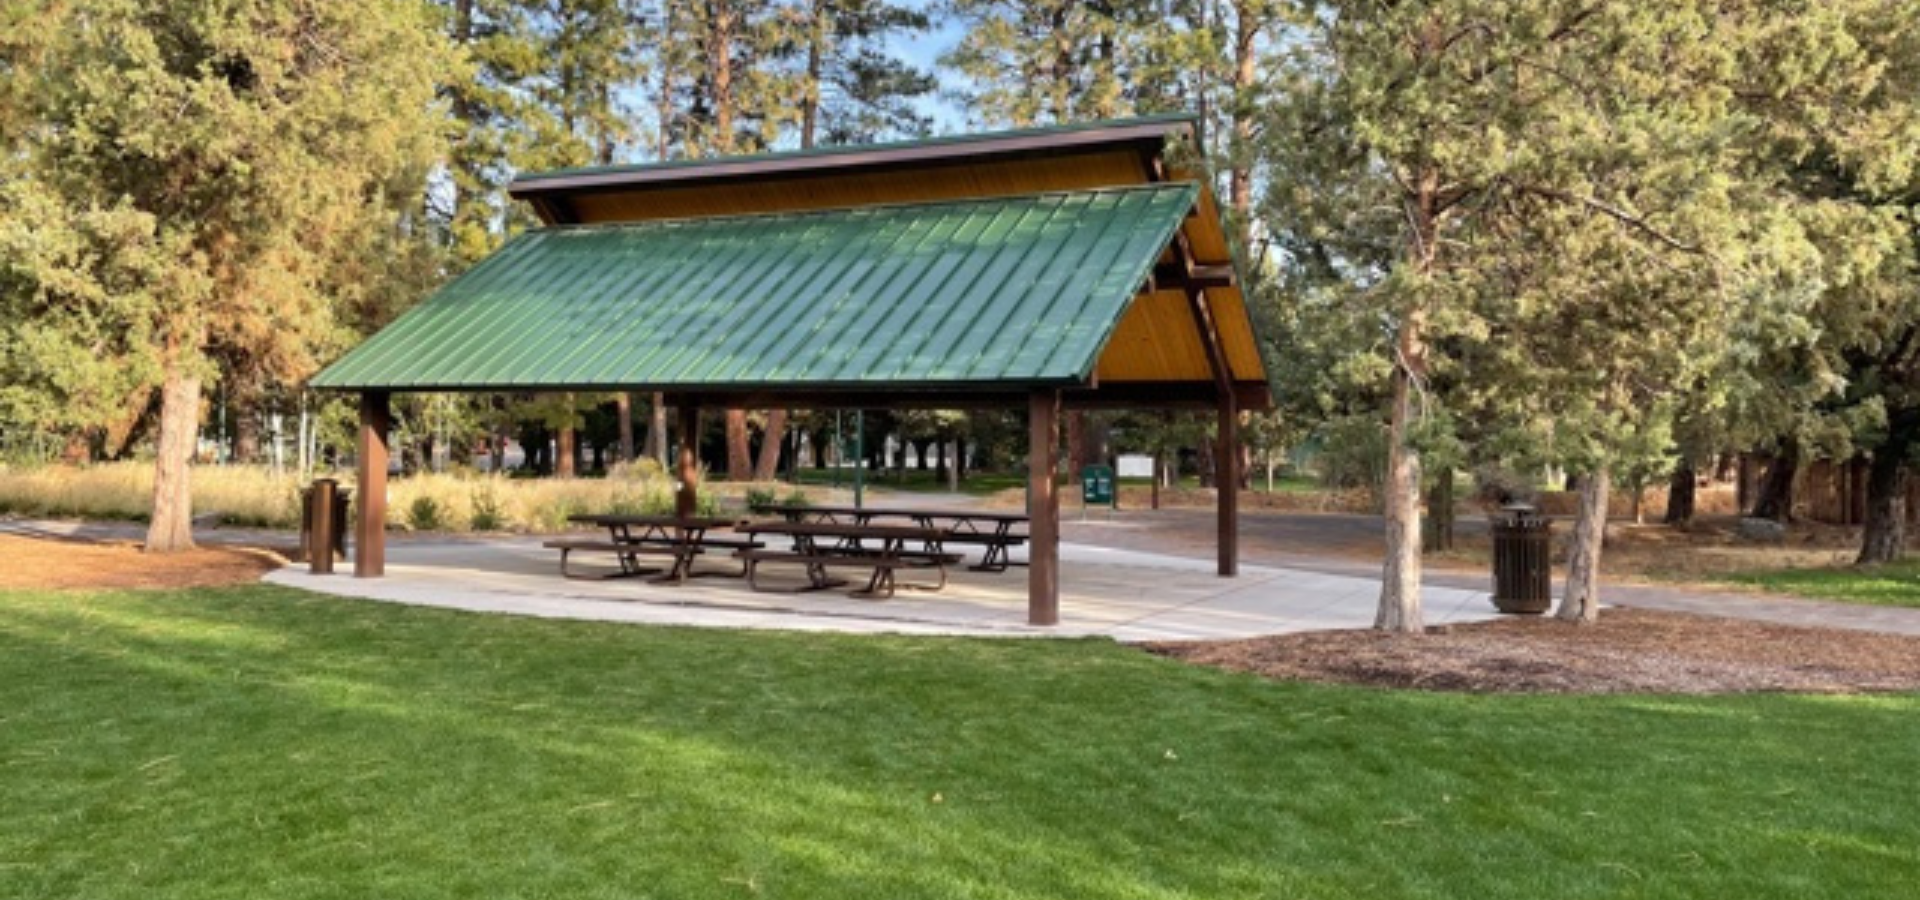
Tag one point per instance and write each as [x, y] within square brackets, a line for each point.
[1005, 290]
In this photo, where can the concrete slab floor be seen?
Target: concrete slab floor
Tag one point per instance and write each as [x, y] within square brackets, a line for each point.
[1123, 594]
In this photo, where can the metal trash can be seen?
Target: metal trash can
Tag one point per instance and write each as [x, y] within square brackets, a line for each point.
[1522, 560]
[323, 524]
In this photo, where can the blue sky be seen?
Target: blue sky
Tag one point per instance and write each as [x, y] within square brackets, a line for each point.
[924, 52]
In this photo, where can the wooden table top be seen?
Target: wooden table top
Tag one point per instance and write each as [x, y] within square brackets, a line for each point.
[845, 529]
[896, 512]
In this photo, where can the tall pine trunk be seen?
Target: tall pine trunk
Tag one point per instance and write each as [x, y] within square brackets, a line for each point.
[1439, 527]
[171, 528]
[1680, 495]
[1884, 538]
[771, 446]
[1776, 490]
[1581, 602]
[657, 430]
[624, 409]
[739, 446]
[1400, 576]
[1247, 27]
[565, 441]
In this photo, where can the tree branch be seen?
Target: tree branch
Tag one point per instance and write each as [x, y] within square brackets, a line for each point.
[1624, 216]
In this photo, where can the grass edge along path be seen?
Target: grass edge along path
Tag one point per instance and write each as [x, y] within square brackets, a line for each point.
[261, 741]
[1891, 584]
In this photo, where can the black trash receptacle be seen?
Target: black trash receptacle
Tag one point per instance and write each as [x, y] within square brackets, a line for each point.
[1522, 561]
[323, 524]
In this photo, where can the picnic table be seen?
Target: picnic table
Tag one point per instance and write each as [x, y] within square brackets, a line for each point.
[992, 530]
[629, 536]
[819, 546]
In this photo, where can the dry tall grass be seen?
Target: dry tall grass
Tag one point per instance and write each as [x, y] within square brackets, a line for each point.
[252, 495]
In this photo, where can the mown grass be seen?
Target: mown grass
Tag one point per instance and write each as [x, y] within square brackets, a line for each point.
[259, 742]
[1893, 584]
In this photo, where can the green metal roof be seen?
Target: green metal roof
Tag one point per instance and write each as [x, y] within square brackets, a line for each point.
[958, 294]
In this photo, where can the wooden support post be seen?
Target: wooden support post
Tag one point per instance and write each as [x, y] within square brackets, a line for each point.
[370, 529]
[687, 487]
[1043, 536]
[1226, 483]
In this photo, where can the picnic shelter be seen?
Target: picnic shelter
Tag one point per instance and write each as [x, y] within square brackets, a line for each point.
[1073, 267]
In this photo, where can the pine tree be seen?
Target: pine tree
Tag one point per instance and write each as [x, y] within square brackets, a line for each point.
[252, 138]
[1032, 62]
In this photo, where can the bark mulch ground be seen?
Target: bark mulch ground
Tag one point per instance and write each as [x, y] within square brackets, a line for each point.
[53, 563]
[1628, 651]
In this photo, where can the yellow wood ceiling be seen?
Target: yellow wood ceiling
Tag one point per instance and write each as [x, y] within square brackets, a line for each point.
[1157, 340]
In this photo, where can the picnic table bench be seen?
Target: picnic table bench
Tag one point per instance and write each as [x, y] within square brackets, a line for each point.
[993, 531]
[819, 546]
[630, 536]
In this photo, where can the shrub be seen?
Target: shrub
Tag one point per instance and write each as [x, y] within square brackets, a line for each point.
[760, 496]
[425, 514]
[487, 514]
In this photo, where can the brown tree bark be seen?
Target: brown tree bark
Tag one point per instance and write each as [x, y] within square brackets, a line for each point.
[1400, 575]
[1680, 495]
[1581, 601]
[1078, 453]
[686, 492]
[246, 432]
[722, 23]
[171, 528]
[1159, 475]
[1884, 538]
[739, 448]
[564, 444]
[1775, 499]
[810, 92]
[771, 446]
[1438, 534]
[1248, 24]
[563, 453]
[623, 407]
[120, 436]
[657, 430]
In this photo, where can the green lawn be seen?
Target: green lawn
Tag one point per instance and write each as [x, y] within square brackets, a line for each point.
[1895, 584]
[263, 742]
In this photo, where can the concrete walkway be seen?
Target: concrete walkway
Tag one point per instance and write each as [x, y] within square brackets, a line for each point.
[1123, 594]
[1302, 541]
[1285, 584]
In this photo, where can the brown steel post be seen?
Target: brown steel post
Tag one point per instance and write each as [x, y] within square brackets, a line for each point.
[686, 489]
[370, 532]
[1226, 484]
[1043, 536]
